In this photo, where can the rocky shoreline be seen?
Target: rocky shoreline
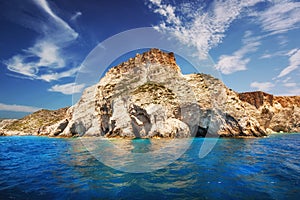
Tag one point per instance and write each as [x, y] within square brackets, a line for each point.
[149, 97]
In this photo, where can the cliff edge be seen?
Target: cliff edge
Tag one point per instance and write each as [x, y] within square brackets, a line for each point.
[148, 96]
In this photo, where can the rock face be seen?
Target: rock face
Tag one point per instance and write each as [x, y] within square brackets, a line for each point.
[42, 122]
[276, 113]
[148, 96]
[4, 123]
[142, 97]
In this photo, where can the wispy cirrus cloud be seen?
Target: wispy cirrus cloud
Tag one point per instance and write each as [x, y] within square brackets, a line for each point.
[292, 84]
[238, 61]
[46, 55]
[68, 89]
[294, 63]
[279, 18]
[194, 25]
[262, 86]
[76, 15]
[18, 108]
[274, 54]
[204, 24]
[58, 75]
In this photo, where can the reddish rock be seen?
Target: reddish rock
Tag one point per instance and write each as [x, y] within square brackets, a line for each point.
[257, 98]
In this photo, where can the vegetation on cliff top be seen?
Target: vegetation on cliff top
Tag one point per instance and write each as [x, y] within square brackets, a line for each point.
[33, 122]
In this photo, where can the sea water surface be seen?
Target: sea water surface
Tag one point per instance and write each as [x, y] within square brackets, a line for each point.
[51, 168]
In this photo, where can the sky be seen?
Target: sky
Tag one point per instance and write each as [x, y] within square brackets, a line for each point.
[253, 44]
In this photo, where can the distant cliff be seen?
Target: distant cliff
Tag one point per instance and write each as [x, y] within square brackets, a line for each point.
[37, 123]
[276, 113]
[148, 96]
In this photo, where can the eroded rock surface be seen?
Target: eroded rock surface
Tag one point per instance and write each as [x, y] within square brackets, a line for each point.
[275, 113]
[42, 122]
[148, 96]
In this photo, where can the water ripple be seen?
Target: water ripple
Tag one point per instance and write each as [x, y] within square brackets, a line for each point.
[51, 168]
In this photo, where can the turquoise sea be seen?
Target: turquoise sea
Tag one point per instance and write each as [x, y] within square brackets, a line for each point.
[51, 168]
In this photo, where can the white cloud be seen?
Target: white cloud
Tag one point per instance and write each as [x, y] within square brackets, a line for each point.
[274, 54]
[294, 63]
[290, 84]
[48, 54]
[280, 18]
[18, 108]
[262, 86]
[282, 40]
[286, 80]
[69, 88]
[45, 56]
[16, 64]
[291, 52]
[267, 55]
[230, 64]
[55, 76]
[62, 26]
[76, 15]
[166, 11]
[287, 70]
[238, 61]
[197, 27]
[278, 53]
[204, 25]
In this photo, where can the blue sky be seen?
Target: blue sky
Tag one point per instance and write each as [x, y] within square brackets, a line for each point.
[254, 44]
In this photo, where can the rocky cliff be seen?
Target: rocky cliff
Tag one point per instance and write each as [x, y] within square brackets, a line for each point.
[42, 122]
[276, 113]
[148, 96]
